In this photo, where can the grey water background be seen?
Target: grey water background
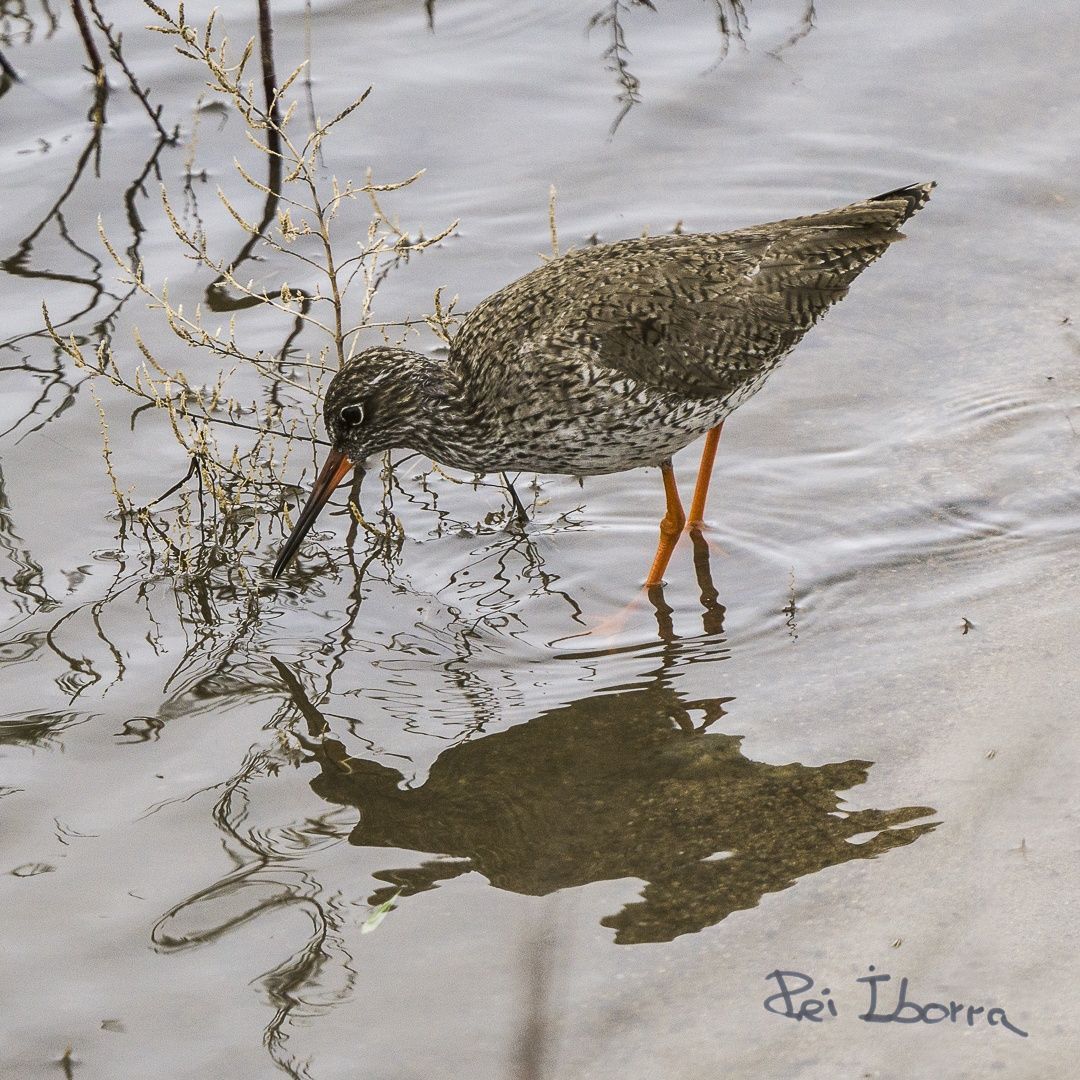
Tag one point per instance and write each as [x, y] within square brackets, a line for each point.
[603, 846]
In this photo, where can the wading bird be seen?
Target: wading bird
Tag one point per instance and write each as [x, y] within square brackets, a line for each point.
[609, 358]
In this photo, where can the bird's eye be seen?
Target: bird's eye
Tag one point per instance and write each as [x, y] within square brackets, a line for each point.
[352, 415]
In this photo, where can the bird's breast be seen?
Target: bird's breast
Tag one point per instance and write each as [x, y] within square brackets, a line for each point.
[574, 417]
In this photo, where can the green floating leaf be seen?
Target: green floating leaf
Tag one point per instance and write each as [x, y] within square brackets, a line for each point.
[376, 917]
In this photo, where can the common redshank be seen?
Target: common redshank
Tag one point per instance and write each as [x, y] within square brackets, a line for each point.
[609, 358]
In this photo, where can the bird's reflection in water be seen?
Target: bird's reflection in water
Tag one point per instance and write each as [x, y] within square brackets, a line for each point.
[628, 783]
[632, 782]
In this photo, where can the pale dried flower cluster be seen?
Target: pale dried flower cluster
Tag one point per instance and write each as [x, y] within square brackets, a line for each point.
[210, 519]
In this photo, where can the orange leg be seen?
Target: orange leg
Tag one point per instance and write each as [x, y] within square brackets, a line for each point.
[701, 488]
[670, 527]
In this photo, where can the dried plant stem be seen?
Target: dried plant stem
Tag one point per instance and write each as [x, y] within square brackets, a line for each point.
[551, 223]
[210, 517]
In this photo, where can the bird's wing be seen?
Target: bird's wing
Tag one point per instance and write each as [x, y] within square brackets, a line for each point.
[700, 315]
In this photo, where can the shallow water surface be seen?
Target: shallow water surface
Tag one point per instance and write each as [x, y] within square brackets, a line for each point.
[460, 812]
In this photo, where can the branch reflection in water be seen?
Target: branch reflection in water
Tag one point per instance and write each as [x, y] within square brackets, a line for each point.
[609, 23]
[732, 25]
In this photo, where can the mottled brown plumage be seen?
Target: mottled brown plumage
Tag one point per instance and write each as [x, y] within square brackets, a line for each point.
[611, 357]
[695, 313]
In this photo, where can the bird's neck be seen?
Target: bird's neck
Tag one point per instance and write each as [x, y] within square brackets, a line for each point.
[449, 427]
[439, 382]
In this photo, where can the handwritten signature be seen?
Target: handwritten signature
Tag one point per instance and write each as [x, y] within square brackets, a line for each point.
[793, 1000]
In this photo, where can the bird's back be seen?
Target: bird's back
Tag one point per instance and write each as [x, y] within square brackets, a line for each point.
[699, 315]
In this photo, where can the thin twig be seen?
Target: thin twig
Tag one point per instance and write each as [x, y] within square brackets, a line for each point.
[551, 223]
[116, 52]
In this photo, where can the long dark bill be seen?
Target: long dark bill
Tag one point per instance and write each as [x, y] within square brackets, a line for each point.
[331, 474]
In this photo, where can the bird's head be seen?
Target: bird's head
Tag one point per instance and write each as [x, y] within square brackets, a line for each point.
[379, 400]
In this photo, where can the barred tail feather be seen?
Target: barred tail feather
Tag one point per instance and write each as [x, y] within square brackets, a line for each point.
[914, 196]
